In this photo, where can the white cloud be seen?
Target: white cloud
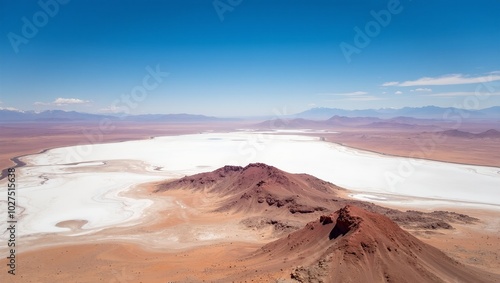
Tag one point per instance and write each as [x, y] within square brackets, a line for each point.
[346, 93]
[357, 98]
[398, 92]
[11, 109]
[364, 98]
[66, 101]
[356, 93]
[63, 102]
[353, 96]
[451, 79]
[422, 89]
[390, 83]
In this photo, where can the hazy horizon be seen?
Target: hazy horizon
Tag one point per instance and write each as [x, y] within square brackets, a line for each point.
[275, 115]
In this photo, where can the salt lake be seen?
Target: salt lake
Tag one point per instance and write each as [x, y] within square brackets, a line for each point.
[87, 182]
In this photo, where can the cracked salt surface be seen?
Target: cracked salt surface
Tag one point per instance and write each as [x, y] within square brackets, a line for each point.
[87, 184]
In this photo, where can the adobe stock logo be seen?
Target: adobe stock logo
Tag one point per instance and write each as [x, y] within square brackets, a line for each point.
[222, 7]
[30, 27]
[363, 38]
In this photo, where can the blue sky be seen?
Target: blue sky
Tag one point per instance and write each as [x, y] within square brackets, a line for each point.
[247, 57]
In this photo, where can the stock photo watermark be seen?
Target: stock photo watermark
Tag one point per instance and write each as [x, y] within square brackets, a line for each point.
[256, 143]
[426, 146]
[139, 93]
[11, 221]
[127, 102]
[223, 6]
[363, 37]
[31, 26]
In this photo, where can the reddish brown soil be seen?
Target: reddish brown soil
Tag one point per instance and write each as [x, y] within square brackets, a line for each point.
[104, 258]
[354, 245]
[258, 187]
[280, 197]
[427, 145]
[448, 141]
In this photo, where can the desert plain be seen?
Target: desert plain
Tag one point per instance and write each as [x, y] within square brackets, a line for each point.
[235, 202]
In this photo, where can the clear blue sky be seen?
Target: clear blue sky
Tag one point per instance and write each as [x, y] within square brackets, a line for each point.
[247, 57]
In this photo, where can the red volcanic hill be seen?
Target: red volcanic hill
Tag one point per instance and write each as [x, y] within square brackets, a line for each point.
[272, 192]
[257, 187]
[354, 245]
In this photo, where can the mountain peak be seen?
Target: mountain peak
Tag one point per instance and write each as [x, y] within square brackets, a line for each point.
[355, 245]
[258, 186]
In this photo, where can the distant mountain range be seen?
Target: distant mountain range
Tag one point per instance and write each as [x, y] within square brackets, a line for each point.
[403, 115]
[340, 122]
[71, 116]
[427, 112]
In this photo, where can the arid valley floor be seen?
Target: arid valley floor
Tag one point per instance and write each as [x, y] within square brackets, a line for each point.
[256, 222]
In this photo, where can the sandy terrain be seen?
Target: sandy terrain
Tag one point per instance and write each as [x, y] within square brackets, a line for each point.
[476, 245]
[154, 251]
[200, 245]
[354, 245]
[427, 145]
[186, 237]
[237, 260]
[460, 141]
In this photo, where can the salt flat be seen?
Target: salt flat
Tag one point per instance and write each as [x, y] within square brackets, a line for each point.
[87, 182]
